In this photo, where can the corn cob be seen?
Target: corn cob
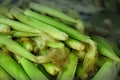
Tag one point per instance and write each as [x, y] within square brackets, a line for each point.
[23, 34]
[18, 25]
[74, 44]
[108, 71]
[4, 75]
[105, 48]
[71, 32]
[57, 34]
[11, 66]
[51, 12]
[16, 48]
[32, 71]
[91, 55]
[55, 44]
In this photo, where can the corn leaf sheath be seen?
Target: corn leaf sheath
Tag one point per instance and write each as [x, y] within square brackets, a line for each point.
[12, 67]
[57, 34]
[16, 48]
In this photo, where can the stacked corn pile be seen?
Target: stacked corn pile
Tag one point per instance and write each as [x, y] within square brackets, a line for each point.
[39, 43]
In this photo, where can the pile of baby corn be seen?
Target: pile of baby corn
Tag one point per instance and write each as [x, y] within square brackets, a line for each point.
[41, 43]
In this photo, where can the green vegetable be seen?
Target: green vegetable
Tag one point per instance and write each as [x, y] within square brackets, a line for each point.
[23, 34]
[67, 29]
[108, 71]
[105, 49]
[57, 34]
[33, 72]
[16, 48]
[18, 25]
[12, 67]
[68, 72]
[50, 11]
[74, 44]
[91, 56]
[4, 75]
[55, 44]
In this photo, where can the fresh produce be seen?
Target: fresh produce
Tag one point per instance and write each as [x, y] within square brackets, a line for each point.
[37, 43]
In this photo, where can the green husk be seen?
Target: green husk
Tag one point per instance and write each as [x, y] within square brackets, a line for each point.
[108, 71]
[101, 60]
[16, 48]
[50, 11]
[18, 25]
[57, 34]
[91, 55]
[67, 29]
[74, 44]
[4, 75]
[68, 72]
[105, 48]
[12, 67]
[55, 44]
[32, 71]
[23, 34]
[51, 68]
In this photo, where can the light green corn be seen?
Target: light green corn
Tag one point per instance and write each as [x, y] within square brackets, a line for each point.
[105, 49]
[55, 44]
[16, 48]
[74, 44]
[65, 28]
[23, 34]
[32, 71]
[18, 25]
[68, 72]
[50, 11]
[51, 68]
[108, 71]
[90, 58]
[4, 75]
[12, 67]
[57, 34]
[55, 13]
[101, 60]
